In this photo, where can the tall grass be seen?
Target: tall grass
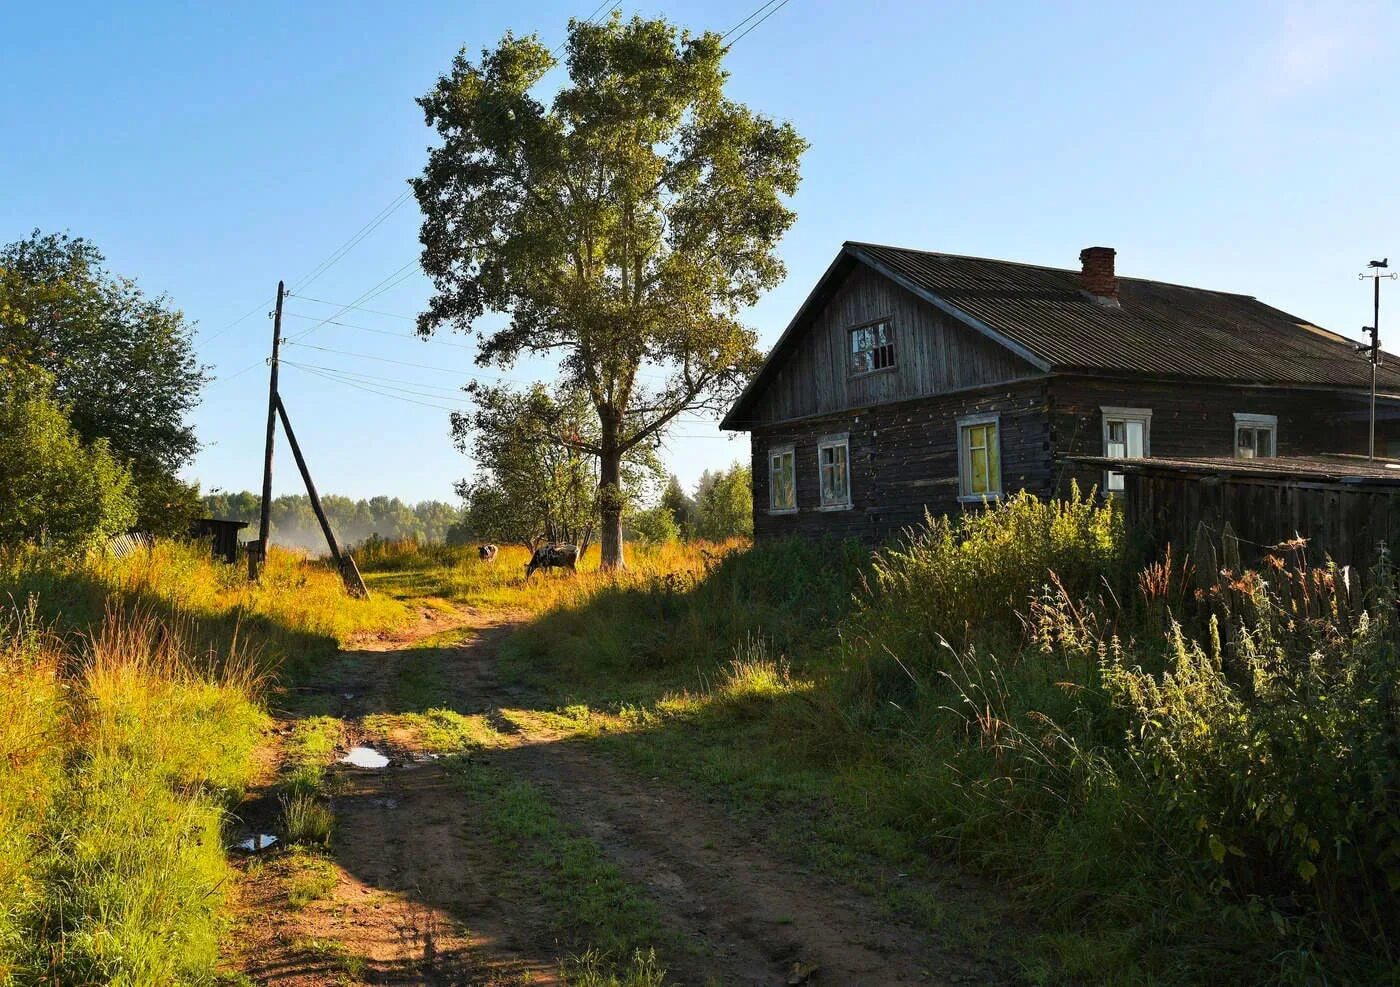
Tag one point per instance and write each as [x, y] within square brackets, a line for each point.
[113, 854]
[1179, 785]
[130, 708]
[296, 614]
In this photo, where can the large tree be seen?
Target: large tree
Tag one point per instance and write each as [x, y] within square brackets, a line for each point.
[623, 228]
[533, 481]
[122, 362]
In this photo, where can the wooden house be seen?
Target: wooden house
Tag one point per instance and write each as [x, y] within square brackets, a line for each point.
[912, 381]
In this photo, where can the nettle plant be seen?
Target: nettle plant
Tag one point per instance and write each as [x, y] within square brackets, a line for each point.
[1277, 739]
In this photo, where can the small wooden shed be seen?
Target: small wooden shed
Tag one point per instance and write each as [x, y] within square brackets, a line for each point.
[1345, 506]
[221, 533]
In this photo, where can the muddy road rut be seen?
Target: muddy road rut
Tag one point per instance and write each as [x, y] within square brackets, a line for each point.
[419, 891]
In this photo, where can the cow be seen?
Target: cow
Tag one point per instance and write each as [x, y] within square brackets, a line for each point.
[553, 557]
[487, 553]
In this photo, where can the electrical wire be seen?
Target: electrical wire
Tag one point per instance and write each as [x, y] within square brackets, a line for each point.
[358, 308]
[756, 23]
[384, 332]
[393, 383]
[386, 394]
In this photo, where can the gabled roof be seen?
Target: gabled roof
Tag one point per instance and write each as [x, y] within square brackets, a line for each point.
[1158, 330]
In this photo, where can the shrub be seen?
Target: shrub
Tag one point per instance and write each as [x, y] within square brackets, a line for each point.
[953, 576]
[656, 525]
[53, 488]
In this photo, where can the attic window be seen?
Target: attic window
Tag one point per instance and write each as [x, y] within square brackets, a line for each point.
[872, 347]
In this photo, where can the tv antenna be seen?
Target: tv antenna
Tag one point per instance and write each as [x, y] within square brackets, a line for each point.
[1374, 271]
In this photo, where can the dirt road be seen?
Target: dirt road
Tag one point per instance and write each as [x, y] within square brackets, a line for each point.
[423, 893]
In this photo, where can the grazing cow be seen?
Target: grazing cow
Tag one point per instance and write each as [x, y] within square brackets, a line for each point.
[487, 553]
[553, 557]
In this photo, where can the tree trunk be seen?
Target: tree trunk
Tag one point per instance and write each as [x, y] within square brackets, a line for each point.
[610, 499]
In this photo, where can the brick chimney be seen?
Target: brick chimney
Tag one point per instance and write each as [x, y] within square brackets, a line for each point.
[1096, 275]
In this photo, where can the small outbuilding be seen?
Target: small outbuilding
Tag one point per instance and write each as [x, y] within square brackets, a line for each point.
[1345, 506]
[221, 533]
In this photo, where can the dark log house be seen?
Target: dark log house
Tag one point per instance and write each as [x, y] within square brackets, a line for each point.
[912, 381]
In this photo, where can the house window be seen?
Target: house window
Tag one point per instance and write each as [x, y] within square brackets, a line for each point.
[834, 470]
[1126, 435]
[782, 481]
[1256, 436]
[872, 347]
[979, 457]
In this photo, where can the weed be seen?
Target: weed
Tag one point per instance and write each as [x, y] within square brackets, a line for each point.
[306, 820]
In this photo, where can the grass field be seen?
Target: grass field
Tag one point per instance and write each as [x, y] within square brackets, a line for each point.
[131, 704]
[1160, 775]
[1133, 754]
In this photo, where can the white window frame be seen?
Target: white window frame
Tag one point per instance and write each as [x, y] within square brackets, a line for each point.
[775, 452]
[964, 467]
[1256, 422]
[842, 441]
[893, 344]
[1125, 415]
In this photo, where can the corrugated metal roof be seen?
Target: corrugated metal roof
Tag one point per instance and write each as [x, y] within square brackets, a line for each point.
[1341, 469]
[1159, 329]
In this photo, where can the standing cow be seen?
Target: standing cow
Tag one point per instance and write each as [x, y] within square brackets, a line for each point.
[553, 557]
[487, 553]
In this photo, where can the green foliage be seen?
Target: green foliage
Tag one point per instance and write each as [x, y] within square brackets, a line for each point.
[680, 504]
[53, 488]
[624, 227]
[122, 362]
[975, 570]
[656, 525]
[534, 479]
[724, 504]
[1277, 744]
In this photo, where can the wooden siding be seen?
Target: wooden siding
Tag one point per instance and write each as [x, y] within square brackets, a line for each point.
[1198, 419]
[903, 459]
[934, 354]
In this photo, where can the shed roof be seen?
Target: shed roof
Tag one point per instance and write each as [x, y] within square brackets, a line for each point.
[1314, 469]
[1159, 330]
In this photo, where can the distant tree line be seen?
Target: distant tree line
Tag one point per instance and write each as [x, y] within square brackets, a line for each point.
[295, 525]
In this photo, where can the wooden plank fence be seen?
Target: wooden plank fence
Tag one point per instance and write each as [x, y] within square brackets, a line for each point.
[1347, 522]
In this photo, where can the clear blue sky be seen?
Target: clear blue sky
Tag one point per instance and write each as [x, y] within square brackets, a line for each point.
[211, 149]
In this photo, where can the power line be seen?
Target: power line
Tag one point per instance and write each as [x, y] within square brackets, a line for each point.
[383, 332]
[379, 380]
[755, 24]
[378, 288]
[384, 394]
[355, 239]
[358, 308]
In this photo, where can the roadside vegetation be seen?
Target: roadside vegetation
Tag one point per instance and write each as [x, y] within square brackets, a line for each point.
[1182, 771]
[132, 699]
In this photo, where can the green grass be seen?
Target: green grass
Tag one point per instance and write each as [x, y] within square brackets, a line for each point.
[308, 877]
[130, 709]
[592, 904]
[964, 701]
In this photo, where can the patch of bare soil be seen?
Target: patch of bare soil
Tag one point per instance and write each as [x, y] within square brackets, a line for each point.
[423, 897]
[413, 899]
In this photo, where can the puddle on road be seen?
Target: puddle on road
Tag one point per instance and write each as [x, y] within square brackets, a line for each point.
[256, 843]
[365, 757]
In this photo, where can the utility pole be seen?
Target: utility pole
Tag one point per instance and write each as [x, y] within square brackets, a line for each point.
[255, 564]
[257, 556]
[1375, 268]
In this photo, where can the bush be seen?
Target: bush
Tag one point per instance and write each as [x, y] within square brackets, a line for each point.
[656, 526]
[973, 572]
[53, 488]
